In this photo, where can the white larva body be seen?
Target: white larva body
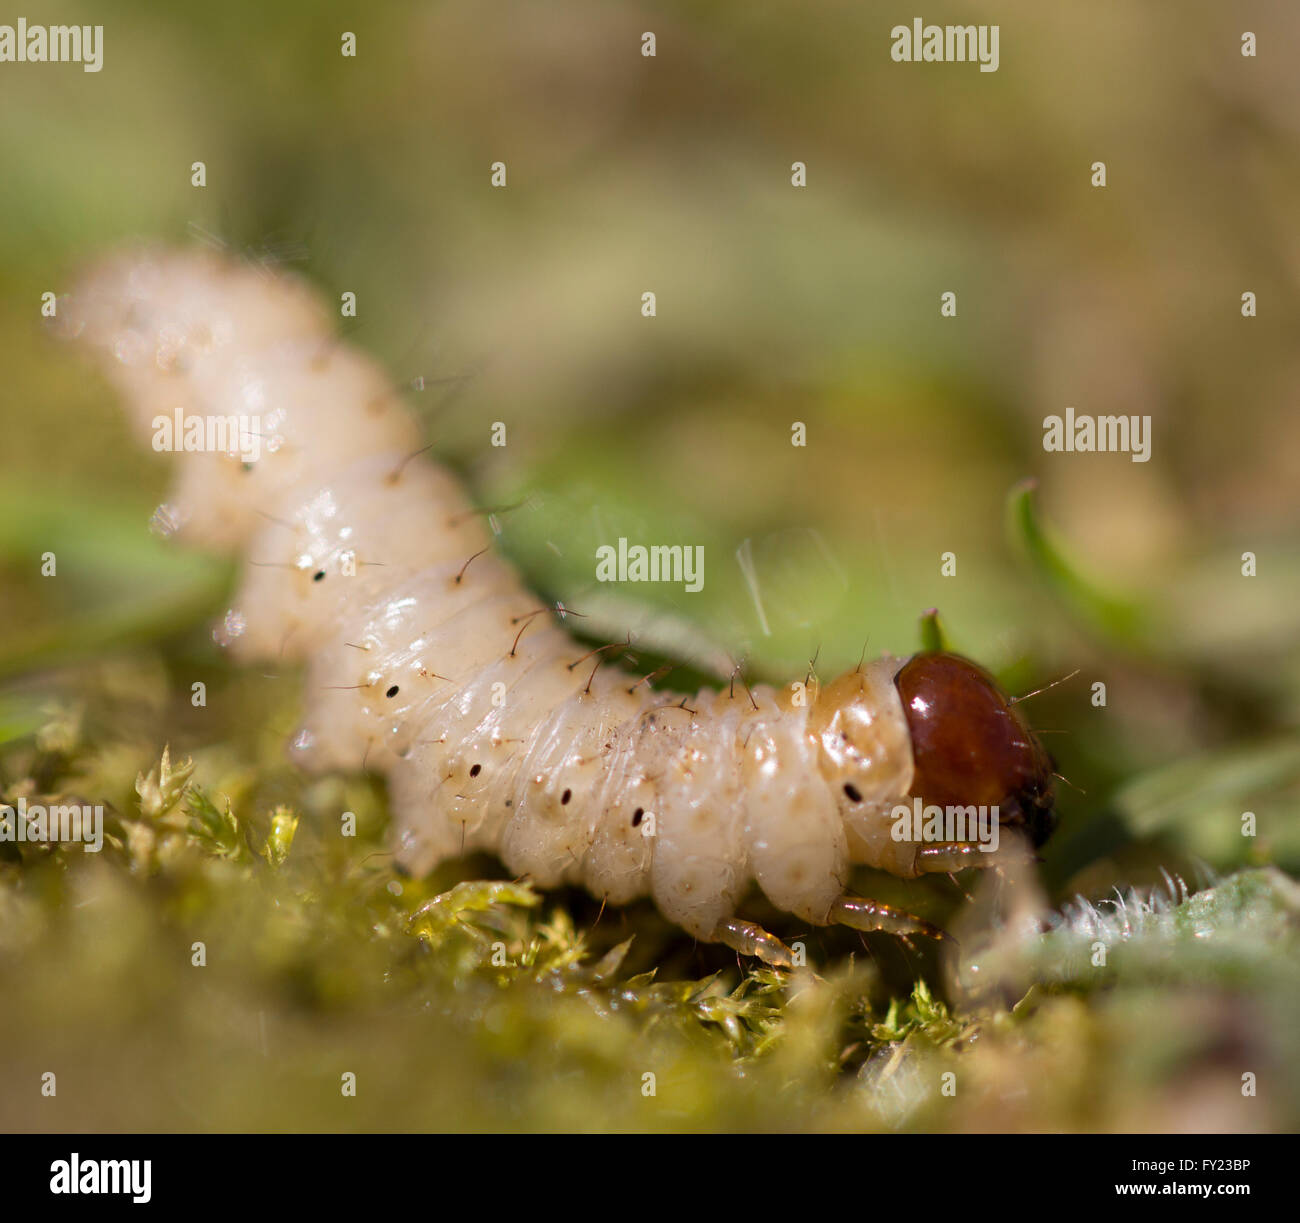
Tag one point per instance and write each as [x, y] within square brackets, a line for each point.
[493, 730]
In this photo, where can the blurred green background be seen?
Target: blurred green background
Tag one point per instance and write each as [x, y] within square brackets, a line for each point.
[775, 304]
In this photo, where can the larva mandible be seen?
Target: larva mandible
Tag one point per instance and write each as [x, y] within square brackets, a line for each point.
[429, 661]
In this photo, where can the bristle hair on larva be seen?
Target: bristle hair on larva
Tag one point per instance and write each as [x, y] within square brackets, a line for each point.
[428, 660]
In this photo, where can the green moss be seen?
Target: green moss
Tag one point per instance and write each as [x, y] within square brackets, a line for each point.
[464, 1001]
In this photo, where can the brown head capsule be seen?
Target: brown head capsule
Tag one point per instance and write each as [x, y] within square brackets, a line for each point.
[570, 772]
[971, 746]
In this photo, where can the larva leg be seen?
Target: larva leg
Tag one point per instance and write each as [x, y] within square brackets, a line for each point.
[944, 857]
[860, 913]
[369, 565]
[749, 939]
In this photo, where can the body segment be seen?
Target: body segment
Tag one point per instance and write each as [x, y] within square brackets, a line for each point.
[429, 661]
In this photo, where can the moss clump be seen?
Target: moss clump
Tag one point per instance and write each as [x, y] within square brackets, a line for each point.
[230, 956]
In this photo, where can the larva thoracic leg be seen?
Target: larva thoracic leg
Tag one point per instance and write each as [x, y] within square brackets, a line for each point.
[859, 913]
[749, 939]
[429, 661]
[945, 857]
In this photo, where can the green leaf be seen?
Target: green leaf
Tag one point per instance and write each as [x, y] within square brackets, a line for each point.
[933, 639]
[1109, 615]
[114, 582]
[1198, 804]
[215, 829]
[284, 823]
[162, 788]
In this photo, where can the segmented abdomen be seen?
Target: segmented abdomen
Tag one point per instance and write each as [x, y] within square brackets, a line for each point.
[428, 660]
